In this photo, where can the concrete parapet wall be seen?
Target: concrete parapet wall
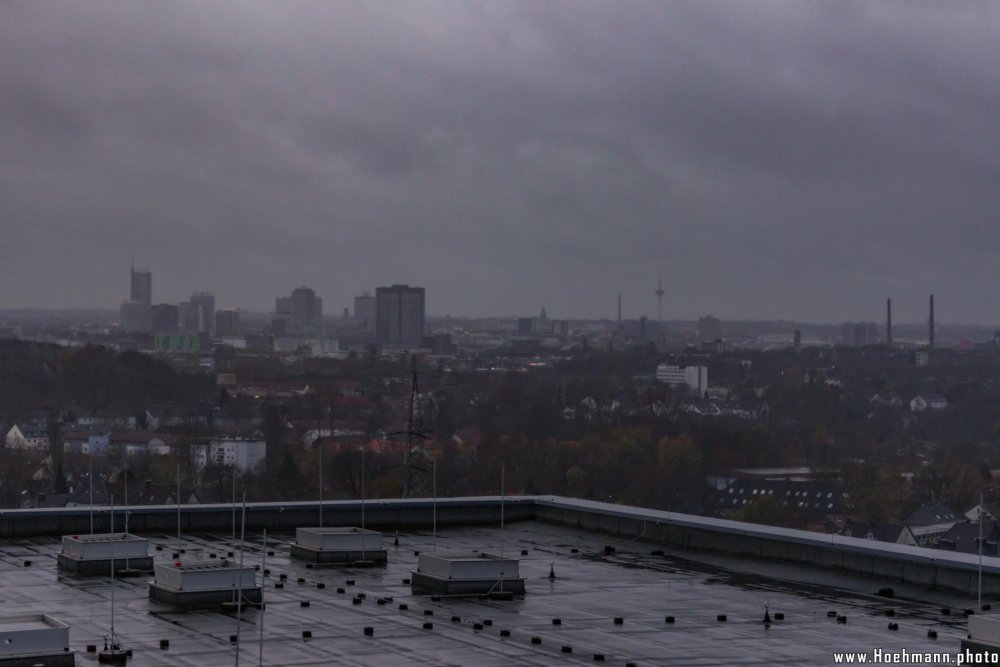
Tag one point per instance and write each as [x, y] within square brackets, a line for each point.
[883, 561]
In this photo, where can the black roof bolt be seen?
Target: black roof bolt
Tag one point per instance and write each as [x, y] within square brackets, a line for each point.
[320, 585]
[428, 626]
[232, 639]
[416, 553]
[428, 612]
[211, 555]
[524, 552]
[306, 634]
[27, 563]
[159, 547]
[574, 550]
[435, 598]
[477, 626]
[945, 611]
[657, 552]
[369, 631]
[831, 614]
[619, 620]
[779, 616]
[304, 603]
[556, 621]
[456, 619]
[894, 626]
[301, 580]
[278, 584]
[668, 619]
[91, 648]
[403, 606]
[536, 640]
[932, 634]
[340, 590]
[598, 657]
[890, 612]
[270, 552]
[406, 581]
[356, 601]
[487, 621]
[164, 644]
[350, 582]
[721, 617]
[567, 649]
[283, 576]
[230, 554]
[505, 633]
[841, 619]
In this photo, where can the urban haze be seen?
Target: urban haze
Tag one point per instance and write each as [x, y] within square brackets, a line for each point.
[772, 159]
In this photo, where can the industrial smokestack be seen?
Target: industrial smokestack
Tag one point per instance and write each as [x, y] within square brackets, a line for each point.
[888, 322]
[930, 326]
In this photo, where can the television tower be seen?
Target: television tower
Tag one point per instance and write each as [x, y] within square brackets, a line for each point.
[659, 298]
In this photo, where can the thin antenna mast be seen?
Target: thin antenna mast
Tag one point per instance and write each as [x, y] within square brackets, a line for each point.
[263, 568]
[501, 509]
[980, 587]
[239, 578]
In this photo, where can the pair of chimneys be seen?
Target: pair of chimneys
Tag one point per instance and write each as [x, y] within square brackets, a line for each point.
[888, 323]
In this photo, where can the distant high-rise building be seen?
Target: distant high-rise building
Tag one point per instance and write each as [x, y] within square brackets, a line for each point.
[135, 314]
[364, 311]
[300, 313]
[165, 318]
[206, 300]
[227, 322]
[136, 317]
[142, 286]
[191, 317]
[307, 310]
[858, 334]
[399, 315]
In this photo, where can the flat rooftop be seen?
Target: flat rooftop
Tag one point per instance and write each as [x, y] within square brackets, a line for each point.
[593, 587]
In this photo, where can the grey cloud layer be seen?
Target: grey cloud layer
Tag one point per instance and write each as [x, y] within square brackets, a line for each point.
[773, 159]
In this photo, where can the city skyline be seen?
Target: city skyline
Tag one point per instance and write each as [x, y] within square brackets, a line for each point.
[788, 160]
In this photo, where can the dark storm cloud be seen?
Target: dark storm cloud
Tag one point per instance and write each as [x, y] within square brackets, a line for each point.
[772, 159]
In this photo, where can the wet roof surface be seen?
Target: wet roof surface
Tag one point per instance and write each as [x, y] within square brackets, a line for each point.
[591, 589]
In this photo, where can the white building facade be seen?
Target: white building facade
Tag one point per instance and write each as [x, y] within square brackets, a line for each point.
[695, 378]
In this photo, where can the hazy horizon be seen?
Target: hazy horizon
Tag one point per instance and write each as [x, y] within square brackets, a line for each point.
[775, 160]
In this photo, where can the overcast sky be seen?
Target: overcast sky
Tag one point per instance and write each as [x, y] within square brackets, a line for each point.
[772, 159]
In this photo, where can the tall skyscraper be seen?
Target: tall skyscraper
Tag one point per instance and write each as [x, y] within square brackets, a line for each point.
[227, 322]
[142, 286]
[364, 311]
[165, 318]
[399, 315]
[136, 314]
[191, 317]
[300, 313]
[206, 300]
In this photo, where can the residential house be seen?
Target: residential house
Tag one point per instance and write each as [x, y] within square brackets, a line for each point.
[930, 522]
[921, 403]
